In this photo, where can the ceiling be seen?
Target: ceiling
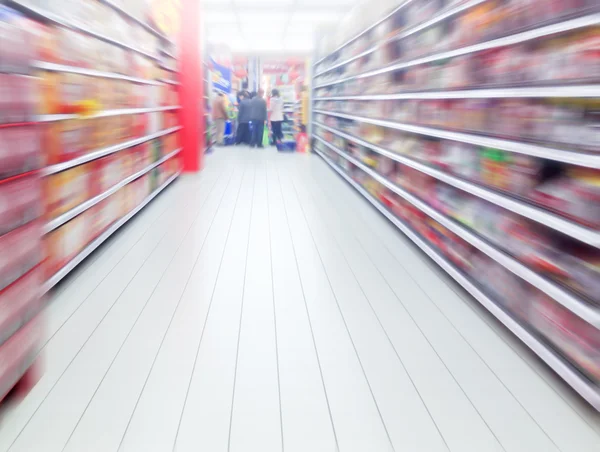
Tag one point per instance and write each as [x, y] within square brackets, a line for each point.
[269, 26]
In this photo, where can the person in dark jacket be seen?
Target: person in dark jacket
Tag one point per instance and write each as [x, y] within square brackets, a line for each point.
[258, 116]
[243, 130]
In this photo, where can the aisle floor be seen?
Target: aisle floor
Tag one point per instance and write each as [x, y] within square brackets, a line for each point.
[263, 305]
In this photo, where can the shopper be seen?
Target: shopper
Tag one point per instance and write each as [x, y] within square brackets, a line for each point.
[243, 130]
[219, 114]
[276, 116]
[258, 116]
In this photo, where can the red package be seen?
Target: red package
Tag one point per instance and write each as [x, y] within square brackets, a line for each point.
[19, 203]
[20, 302]
[21, 251]
[19, 150]
[17, 354]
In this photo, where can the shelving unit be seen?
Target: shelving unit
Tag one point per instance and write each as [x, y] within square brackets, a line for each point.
[427, 147]
[139, 144]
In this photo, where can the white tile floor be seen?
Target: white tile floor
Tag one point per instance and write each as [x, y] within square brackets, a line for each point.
[265, 306]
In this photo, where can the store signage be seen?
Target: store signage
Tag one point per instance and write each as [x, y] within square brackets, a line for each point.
[221, 78]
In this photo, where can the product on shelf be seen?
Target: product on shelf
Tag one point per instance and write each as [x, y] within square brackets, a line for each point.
[18, 353]
[20, 203]
[571, 56]
[19, 303]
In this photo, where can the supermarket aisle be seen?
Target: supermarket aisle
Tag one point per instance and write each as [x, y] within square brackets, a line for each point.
[265, 306]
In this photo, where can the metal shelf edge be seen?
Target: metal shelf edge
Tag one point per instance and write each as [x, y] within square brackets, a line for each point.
[586, 90]
[56, 67]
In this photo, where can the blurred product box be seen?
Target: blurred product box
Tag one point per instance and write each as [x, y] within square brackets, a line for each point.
[20, 302]
[20, 252]
[66, 190]
[20, 203]
[19, 149]
[18, 353]
[64, 243]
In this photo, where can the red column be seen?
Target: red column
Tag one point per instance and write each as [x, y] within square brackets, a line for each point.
[191, 90]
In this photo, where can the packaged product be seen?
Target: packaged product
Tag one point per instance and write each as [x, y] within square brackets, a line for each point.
[577, 194]
[110, 171]
[20, 252]
[66, 190]
[97, 220]
[19, 203]
[573, 337]
[18, 353]
[19, 149]
[72, 92]
[20, 302]
[64, 243]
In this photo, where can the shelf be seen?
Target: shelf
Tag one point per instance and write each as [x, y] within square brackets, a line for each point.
[104, 152]
[167, 68]
[6, 125]
[67, 216]
[540, 215]
[587, 390]
[169, 82]
[130, 16]
[54, 67]
[441, 16]
[105, 113]
[560, 155]
[58, 276]
[580, 91]
[15, 177]
[169, 54]
[561, 295]
[547, 30]
[365, 31]
[46, 16]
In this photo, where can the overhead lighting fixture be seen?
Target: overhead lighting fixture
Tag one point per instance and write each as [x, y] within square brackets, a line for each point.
[215, 17]
[314, 17]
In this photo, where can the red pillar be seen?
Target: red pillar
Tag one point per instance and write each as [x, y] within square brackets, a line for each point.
[191, 90]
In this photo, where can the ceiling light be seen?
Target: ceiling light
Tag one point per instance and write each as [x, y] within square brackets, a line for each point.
[313, 17]
[214, 17]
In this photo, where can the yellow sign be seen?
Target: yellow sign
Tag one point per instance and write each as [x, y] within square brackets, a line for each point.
[167, 15]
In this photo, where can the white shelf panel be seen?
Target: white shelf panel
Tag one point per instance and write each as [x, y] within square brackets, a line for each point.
[105, 151]
[54, 67]
[560, 155]
[105, 113]
[556, 222]
[58, 276]
[563, 296]
[587, 390]
[169, 82]
[483, 93]
[517, 38]
[62, 219]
